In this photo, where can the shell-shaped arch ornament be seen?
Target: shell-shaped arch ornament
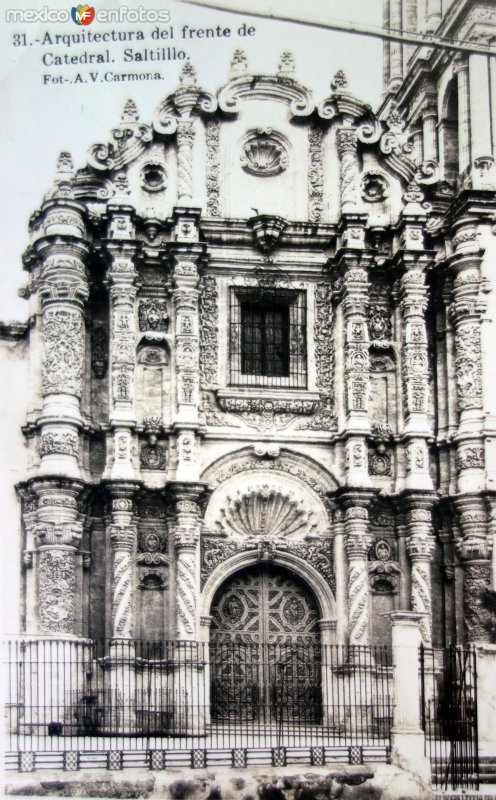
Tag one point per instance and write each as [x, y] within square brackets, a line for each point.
[262, 510]
[264, 152]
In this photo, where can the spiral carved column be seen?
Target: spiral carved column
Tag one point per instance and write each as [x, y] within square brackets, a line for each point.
[185, 139]
[357, 543]
[348, 160]
[123, 535]
[420, 546]
[185, 522]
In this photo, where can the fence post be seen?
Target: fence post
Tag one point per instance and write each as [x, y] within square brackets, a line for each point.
[407, 736]
[486, 698]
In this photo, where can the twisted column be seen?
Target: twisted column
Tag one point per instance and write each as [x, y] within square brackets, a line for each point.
[357, 544]
[185, 522]
[185, 139]
[420, 546]
[348, 161]
[123, 535]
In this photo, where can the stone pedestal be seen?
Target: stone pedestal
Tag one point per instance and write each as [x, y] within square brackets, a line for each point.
[486, 698]
[407, 736]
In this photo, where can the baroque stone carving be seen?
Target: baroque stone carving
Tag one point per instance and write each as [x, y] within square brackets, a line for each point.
[468, 366]
[63, 443]
[264, 153]
[99, 351]
[186, 592]
[57, 581]
[324, 419]
[380, 464]
[470, 458]
[153, 177]
[209, 321]
[479, 620]
[152, 456]
[212, 134]
[374, 187]
[63, 337]
[260, 510]
[259, 405]
[315, 175]
[152, 544]
[317, 553]
[153, 315]
[379, 323]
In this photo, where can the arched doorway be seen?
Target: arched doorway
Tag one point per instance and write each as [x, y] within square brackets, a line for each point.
[265, 648]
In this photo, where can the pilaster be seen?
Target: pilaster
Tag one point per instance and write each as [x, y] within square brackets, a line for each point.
[187, 254]
[121, 277]
[412, 297]
[353, 294]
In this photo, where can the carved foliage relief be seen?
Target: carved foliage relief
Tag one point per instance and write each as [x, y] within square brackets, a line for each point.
[63, 336]
[324, 419]
[315, 175]
[57, 587]
[468, 367]
[212, 133]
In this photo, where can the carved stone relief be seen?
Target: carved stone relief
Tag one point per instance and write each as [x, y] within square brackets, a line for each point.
[212, 134]
[324, 419]
[57, 587]
[153, 315]
[63, 340]
[315, 175]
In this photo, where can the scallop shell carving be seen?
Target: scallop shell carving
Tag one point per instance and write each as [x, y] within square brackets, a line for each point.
[265, 511]
[263, 155]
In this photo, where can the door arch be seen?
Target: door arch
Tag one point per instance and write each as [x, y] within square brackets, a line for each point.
[265, 648]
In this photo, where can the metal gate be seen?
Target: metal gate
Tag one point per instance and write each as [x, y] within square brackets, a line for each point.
[449, 715]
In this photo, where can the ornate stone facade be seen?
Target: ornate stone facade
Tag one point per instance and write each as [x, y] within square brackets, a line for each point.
[270, 368]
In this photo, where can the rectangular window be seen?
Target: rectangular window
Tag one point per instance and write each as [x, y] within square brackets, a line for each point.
[268, 339]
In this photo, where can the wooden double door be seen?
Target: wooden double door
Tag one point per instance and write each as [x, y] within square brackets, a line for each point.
[265, 649]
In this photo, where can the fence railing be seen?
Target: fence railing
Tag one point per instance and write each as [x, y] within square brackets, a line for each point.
[90, 696]
[449, 715]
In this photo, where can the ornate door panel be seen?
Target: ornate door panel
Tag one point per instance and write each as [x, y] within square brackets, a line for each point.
[265, 648]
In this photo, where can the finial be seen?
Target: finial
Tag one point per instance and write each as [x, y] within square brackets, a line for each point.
[187, 75]
[286, 65]
[65, 165]
[340, 81]
[130, 112]
[239, 64]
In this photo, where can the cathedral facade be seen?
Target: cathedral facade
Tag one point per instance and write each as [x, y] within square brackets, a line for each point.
[261, 392]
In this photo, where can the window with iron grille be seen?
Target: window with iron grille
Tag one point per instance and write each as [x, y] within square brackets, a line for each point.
[268, 339]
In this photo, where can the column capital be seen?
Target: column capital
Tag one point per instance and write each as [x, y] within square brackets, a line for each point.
[355, 498]
[122, 537]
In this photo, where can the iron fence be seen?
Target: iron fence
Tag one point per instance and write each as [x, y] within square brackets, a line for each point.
[187, 702]
[449, 715]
